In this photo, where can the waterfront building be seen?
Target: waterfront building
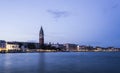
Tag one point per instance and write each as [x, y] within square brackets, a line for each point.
[82, 48]
[97, 48]
[58, 46]
[55, 45]
[78, 48]
[27, 45]
[70, 47]
[12, 46]
[2, 45]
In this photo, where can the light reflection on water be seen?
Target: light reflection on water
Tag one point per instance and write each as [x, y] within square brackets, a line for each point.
[7, 63]
[22, 62]
[42, 63]
[61, 62]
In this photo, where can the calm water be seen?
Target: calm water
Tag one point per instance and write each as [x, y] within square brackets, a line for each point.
[60, 62]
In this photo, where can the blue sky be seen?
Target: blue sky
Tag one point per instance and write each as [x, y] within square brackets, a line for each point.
[85, 22]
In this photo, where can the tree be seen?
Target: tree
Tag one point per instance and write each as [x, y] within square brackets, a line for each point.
[31, 46]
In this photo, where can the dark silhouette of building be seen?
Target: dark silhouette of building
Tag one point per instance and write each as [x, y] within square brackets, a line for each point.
[41, 37]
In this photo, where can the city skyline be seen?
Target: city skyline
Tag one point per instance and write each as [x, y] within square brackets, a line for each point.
[81, 22]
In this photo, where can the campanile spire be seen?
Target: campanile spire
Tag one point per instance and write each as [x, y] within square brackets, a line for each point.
[41, 37]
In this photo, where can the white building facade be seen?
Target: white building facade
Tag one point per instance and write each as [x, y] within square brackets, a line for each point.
[12, 46]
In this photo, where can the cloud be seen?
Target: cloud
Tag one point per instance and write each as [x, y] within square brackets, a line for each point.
[58, 14]
[115, 4]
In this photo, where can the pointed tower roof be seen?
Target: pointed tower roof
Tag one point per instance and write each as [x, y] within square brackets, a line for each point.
[41, 31]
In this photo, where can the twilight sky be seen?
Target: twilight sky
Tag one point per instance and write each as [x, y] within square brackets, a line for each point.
[84, 22]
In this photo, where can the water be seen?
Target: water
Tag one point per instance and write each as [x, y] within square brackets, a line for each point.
[60, 62]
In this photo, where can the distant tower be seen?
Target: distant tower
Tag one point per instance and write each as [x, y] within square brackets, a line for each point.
[41, 37]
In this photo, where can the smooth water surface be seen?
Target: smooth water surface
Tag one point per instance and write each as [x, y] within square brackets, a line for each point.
[60, 62]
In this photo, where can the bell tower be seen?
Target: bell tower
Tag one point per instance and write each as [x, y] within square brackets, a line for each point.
[41, 37]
